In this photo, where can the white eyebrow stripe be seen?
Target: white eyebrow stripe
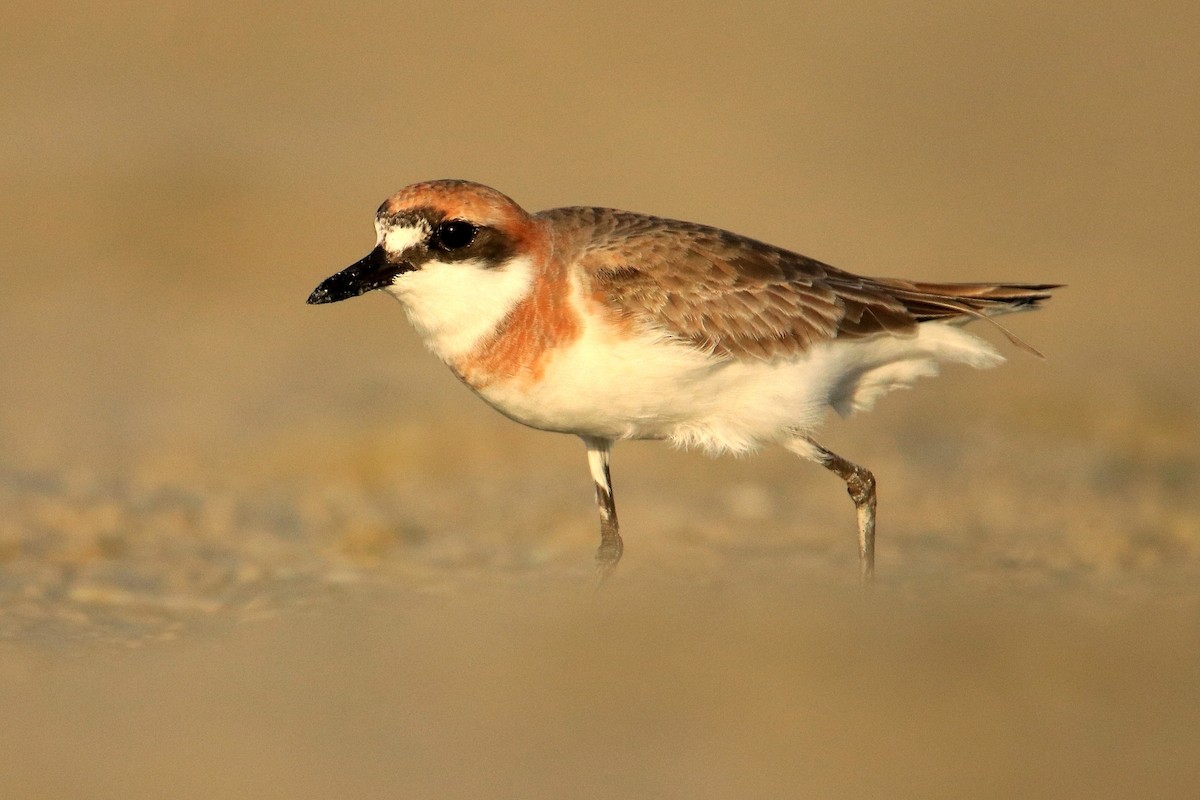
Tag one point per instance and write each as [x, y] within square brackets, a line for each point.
[397, 239]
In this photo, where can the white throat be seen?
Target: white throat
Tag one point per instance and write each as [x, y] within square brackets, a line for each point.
[456, 306]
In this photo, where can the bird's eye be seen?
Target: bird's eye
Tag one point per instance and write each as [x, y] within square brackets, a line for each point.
[454, 235]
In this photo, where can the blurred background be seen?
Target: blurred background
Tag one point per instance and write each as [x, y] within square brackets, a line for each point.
[250, 547]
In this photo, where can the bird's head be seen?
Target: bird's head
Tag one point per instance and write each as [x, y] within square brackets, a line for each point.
[427, 226]
[458, 255]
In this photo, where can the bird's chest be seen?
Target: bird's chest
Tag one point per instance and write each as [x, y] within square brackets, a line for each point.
[602, 385]
[516, 353]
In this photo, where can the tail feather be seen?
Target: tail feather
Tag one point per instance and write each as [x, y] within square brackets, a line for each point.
[950, 301]
[929, 301]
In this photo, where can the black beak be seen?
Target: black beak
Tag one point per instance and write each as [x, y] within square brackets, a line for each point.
[372, 272]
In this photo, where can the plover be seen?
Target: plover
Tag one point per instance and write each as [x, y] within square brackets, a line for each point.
[614, 325]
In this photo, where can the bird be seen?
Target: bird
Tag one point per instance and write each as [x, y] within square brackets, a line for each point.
[612, 325]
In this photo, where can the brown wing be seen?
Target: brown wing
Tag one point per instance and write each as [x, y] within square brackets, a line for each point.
[741, 298]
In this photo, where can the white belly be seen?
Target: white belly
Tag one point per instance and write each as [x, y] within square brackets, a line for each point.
[619, 388]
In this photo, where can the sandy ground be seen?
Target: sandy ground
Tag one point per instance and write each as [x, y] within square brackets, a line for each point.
[250, 548]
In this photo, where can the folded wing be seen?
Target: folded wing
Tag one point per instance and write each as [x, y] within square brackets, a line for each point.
[736, 297]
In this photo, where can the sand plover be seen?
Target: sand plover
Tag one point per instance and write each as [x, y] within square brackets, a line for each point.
[614, 325]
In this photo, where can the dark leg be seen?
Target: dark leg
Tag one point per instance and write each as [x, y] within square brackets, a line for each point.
[860, 484]
[609, 552]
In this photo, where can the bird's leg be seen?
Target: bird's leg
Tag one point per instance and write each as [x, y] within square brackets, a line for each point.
[860, 484]
[609, 552]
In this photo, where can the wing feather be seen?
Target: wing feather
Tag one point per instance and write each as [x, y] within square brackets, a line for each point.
[740, 298]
